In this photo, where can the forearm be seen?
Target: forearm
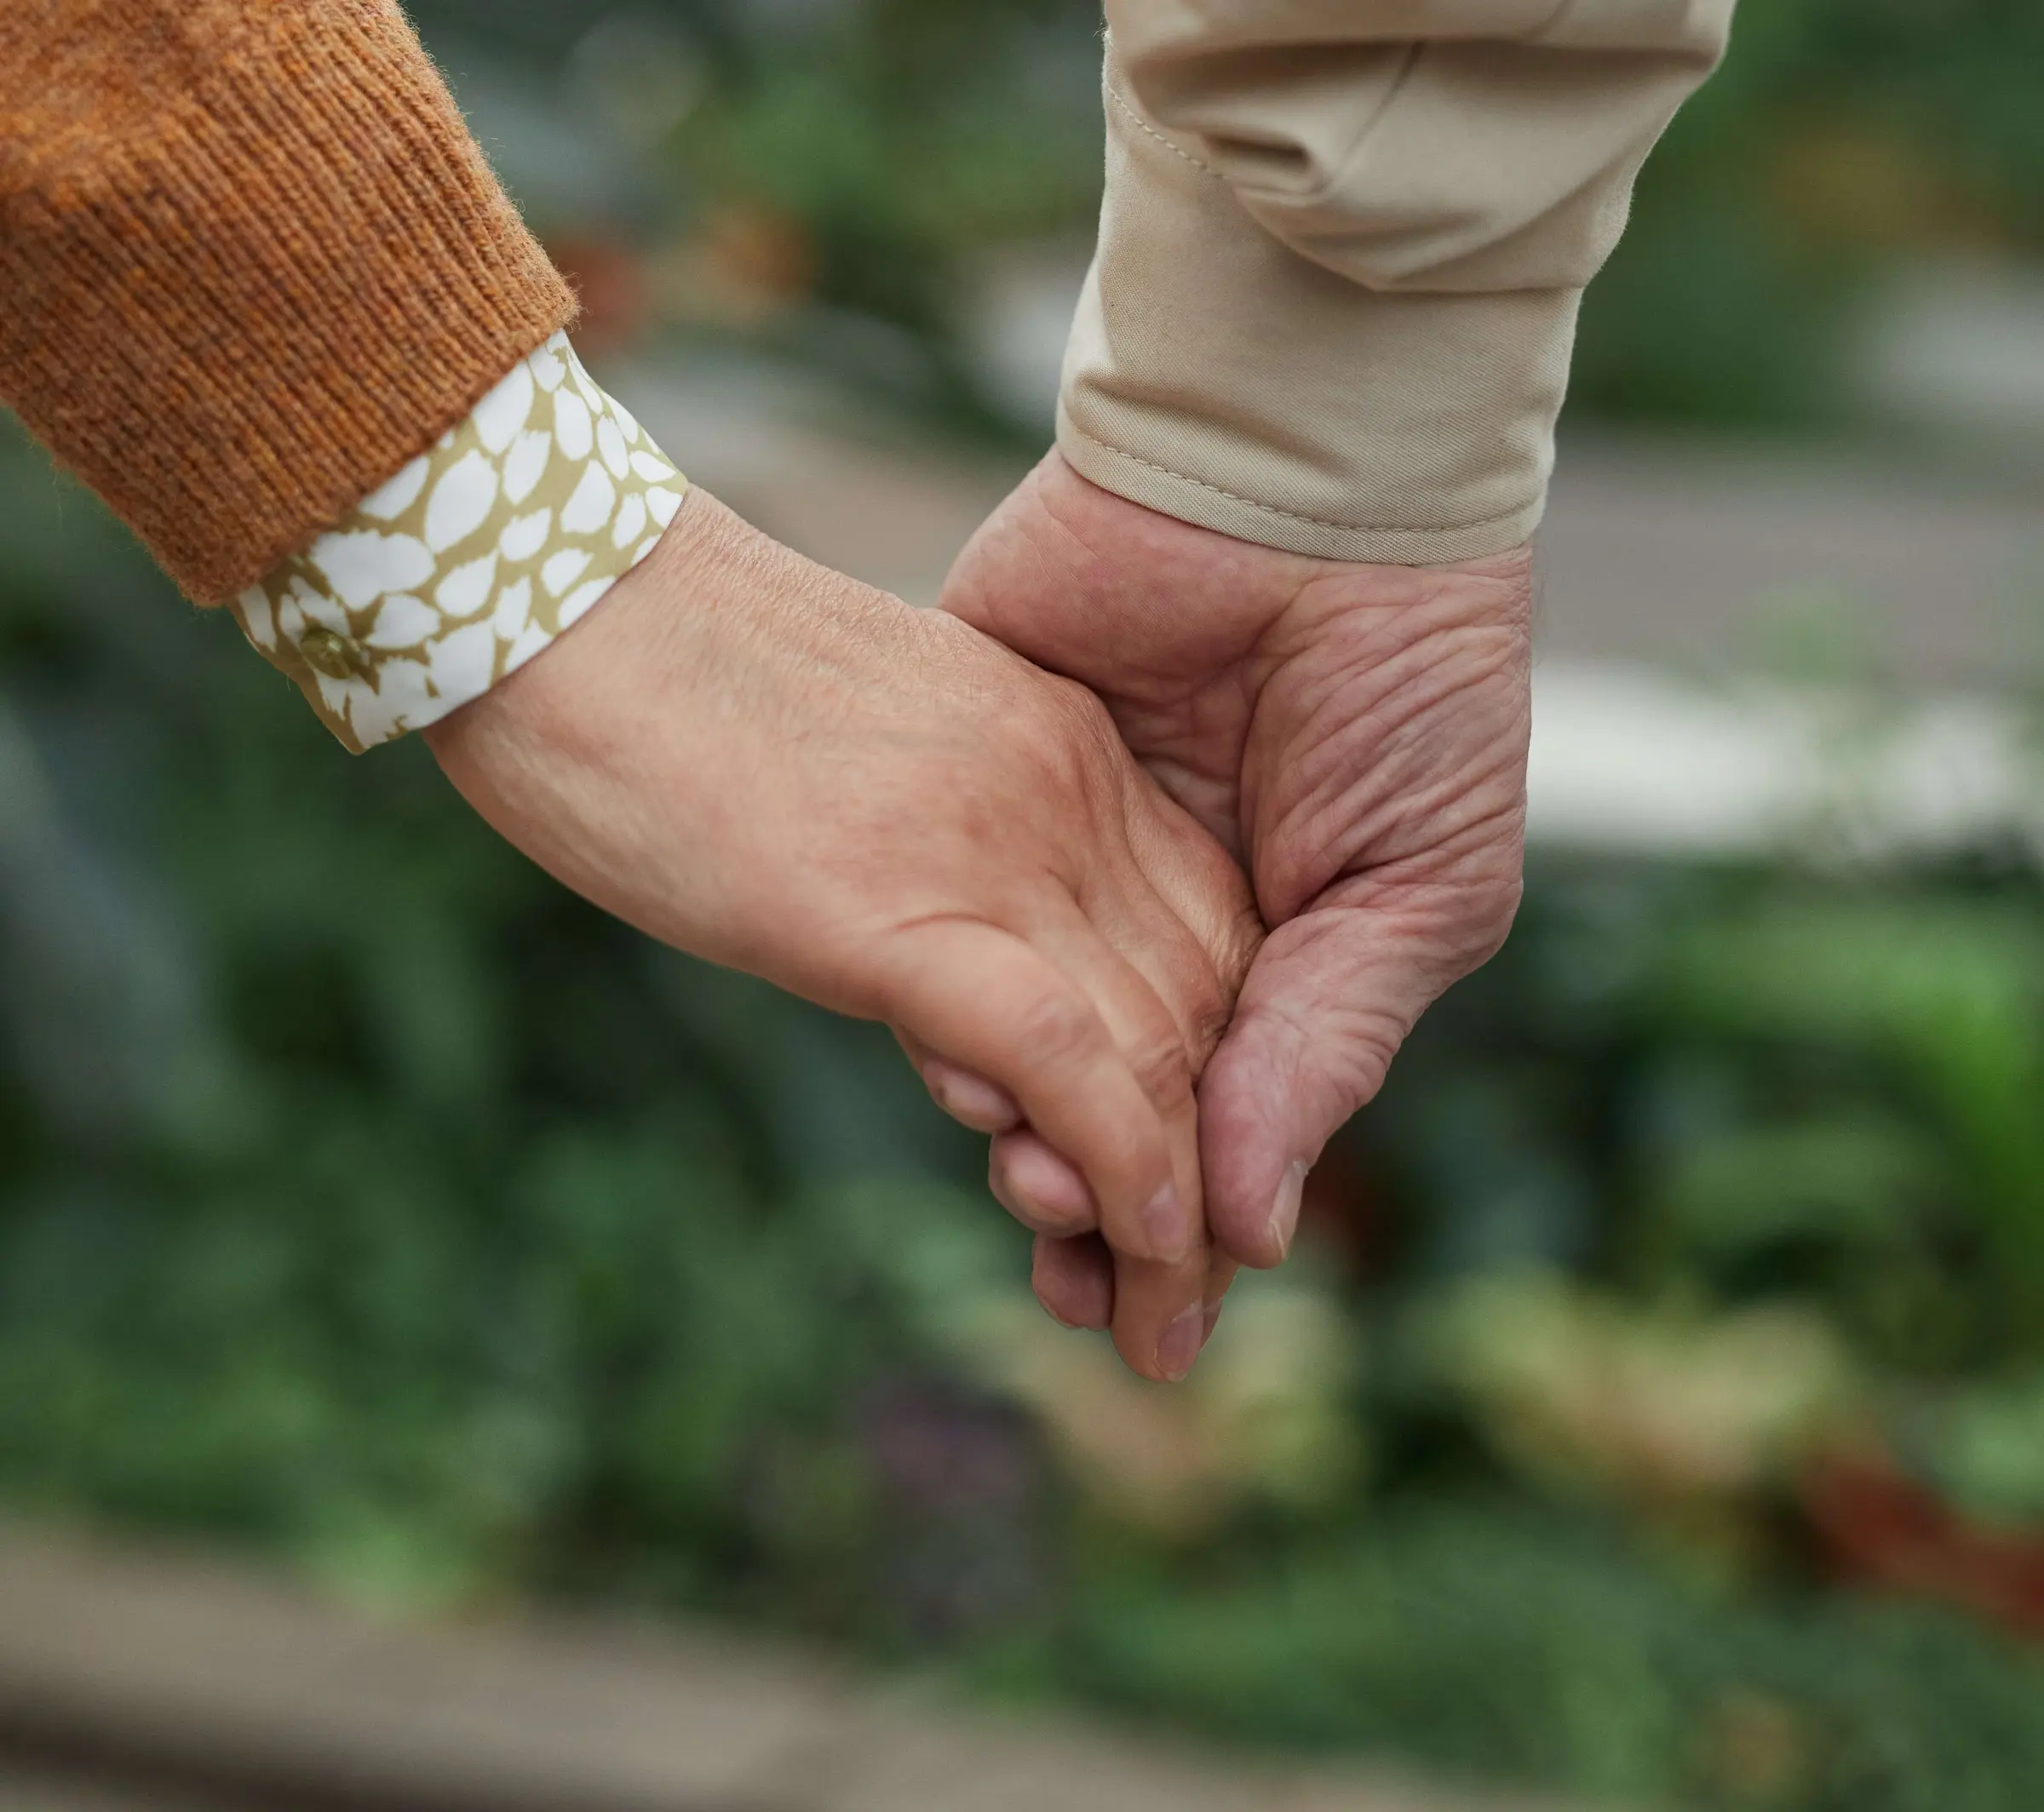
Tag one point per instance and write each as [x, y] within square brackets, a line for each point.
[1342, 253]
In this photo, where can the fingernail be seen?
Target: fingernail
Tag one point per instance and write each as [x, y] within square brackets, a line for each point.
[1284, 1212]
[1178, 1349]
[970, 1099]
[1073, 1327]
[1212, 1318]
[1164, 1225]
[997, 1186]
[1040, 1189]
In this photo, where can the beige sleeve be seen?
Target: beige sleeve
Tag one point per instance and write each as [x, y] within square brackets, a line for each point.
[1342, 252]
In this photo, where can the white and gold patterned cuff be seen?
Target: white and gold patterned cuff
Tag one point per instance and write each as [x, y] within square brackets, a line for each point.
[472, 559]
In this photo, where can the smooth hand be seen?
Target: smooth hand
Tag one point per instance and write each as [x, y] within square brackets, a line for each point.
[1356, 736]
[769, 766]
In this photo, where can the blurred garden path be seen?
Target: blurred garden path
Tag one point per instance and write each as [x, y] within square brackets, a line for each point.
[1675, 579]
[141, 1682]
[1680, 555]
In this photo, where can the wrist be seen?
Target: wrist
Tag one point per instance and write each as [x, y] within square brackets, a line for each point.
[628, 761]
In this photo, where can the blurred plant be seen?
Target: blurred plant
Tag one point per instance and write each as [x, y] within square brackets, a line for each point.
[1490, 1640]
[1883, 1528]
[362, 1196]
[1987, 1451]
[1891, 1053]
[1664, 1411]
[1267, 1420]
[1841, 137]
[878, 147]
[836, 183]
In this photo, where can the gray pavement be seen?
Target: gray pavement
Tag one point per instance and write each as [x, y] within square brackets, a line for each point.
[1680, 556]
[206, 1688]
[26, 1786]
[1669, 554]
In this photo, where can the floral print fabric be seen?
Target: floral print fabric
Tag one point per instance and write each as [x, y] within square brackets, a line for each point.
[472, 559]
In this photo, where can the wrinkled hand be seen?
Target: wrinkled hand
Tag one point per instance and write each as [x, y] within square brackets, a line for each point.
[767, 764]
[1356, 736]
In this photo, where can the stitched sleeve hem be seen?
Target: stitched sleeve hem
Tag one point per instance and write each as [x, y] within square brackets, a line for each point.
[1209, 506]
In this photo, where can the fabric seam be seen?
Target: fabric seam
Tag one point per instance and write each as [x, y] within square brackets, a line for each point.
[1554, 23]
[1144, 125]
[1273, 510]
[1364, 139]
[1403, 80]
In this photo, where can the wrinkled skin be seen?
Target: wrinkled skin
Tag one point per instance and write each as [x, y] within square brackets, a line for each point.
[770, 766]
[1356, 736]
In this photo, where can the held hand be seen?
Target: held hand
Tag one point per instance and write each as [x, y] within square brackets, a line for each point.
[769, 766]
[1356, 735]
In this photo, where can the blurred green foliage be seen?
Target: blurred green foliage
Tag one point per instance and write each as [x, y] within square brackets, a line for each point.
[1468, 1633]
[364, 1198]
[1843, 140]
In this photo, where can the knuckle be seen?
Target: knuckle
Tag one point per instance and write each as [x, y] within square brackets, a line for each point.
[1072, 740]
[1080, 707]
[1197, 988]
[1492, 909]
[1052, 765]
[1232, 951]
[1051, 1028]
[1207, 1025]
[1094, 729]
[1161, 1068]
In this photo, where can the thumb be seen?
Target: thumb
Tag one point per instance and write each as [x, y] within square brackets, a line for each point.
[1328, 1002]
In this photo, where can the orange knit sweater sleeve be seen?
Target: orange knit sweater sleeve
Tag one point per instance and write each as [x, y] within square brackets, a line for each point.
[251, 262]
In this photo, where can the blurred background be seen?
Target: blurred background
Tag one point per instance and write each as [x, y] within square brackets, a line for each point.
[1656, 1414]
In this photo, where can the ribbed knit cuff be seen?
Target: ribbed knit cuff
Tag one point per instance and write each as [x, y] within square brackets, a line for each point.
[472, 559]
[252, 261]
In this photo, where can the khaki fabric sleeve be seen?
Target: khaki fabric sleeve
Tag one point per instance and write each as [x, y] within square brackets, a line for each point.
[251, 263]
[1342, 252]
